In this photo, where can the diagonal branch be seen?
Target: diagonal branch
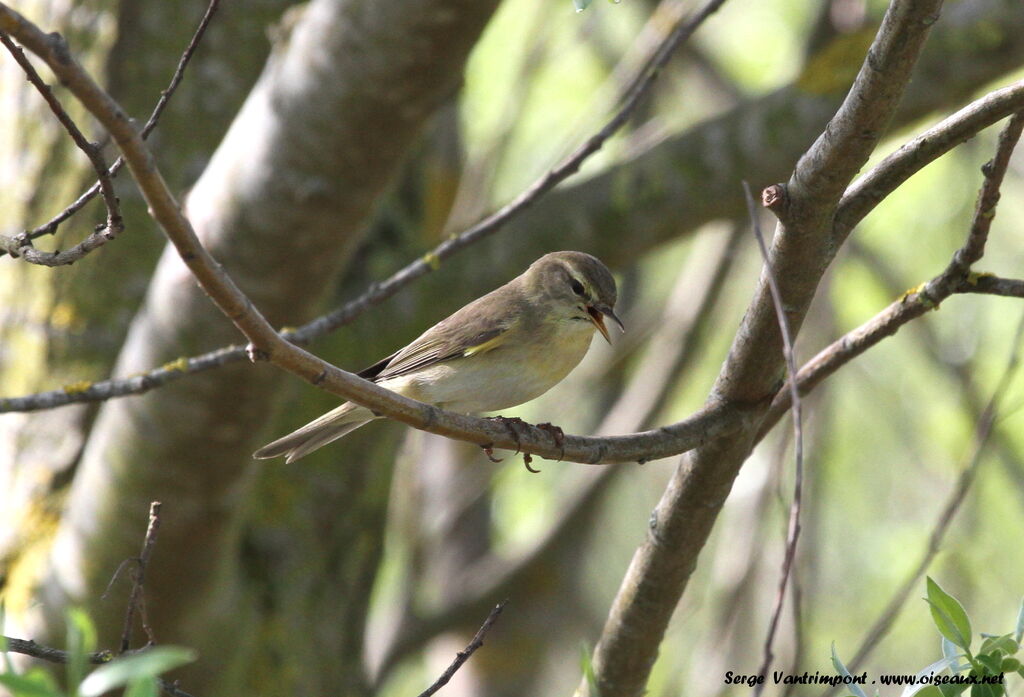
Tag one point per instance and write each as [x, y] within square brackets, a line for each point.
[955, 278]
[377, 292]
[267, 344]
[463, 656]
[869, 190]
[801, 251]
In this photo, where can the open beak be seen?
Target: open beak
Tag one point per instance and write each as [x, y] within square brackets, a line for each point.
[597, 312]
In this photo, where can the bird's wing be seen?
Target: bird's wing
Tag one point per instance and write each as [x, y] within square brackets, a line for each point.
[469, 332]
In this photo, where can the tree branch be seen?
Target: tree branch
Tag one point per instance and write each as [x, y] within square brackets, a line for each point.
[955, 278]
[266, 344]
[793, 531]
[136, 600]
[46, 653]
[683, 519]
[21, 245]
[50, 227]
[869, 190]
[27, 647]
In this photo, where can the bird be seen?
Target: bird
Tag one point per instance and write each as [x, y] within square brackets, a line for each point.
[499, 351]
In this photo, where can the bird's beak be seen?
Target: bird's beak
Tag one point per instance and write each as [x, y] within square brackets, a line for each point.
[598, 311]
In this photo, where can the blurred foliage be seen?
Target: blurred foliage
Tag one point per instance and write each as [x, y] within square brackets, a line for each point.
[135, 674]
[984, 673]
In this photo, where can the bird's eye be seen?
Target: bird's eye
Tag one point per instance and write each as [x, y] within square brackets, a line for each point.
[577, 287]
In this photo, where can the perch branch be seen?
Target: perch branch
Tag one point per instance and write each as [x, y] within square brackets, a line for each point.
[266, 343]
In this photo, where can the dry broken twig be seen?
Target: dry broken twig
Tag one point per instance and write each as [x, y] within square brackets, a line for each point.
[463, 656]
[137, 600]
[793, 531]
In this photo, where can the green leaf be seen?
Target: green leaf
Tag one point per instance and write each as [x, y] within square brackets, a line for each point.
[1010, 664]
[146, 664]
[949, 616]
[33, 684]
[587, 666]
[1004, 644]
[581, 5]
[985, 690]
[144, 687]
[928, 691]
[841, 669]
[81, 639]
[992, 663]
[937, 667]
[952, 690]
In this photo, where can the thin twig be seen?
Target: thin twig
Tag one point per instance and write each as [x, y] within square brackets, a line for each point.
[21, 245]
[137, 600]
[27, 647]
[927, 339]
[793, 532]
[955, 278]
[50, 227]
[982, 432]
[463, 656]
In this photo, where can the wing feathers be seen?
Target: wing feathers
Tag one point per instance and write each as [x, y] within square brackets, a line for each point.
[477, 328]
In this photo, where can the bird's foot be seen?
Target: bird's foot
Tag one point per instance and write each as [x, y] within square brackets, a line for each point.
[489, 452]
[527, 460]
[511, 424]
[557, 434]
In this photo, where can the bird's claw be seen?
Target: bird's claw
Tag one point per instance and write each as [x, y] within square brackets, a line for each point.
[527, 459]
[557, 434]
[489, 452]
[511, 423]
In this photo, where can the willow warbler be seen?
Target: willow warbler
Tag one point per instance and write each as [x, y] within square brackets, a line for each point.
[501, 350]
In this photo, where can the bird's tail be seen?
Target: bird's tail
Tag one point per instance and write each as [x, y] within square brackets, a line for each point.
[318, 433]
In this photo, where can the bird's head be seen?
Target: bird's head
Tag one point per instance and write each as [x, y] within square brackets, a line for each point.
[576, 286]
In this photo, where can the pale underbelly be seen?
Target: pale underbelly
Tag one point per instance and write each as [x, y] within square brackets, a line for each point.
[492, 381]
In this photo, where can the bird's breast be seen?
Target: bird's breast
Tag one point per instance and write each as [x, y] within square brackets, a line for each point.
[513, 373]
